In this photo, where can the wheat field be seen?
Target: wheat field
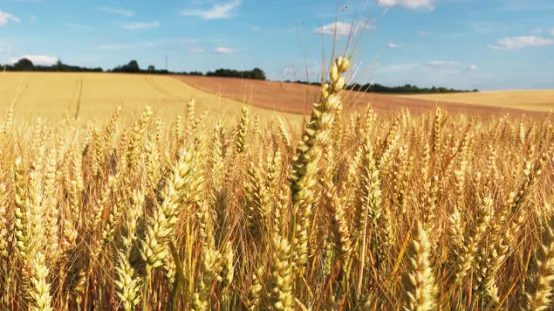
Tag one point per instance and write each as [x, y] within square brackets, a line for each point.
[94, 96]
[531, 100]
[360, 211]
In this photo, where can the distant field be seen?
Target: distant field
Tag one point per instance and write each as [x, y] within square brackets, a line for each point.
[534, 100]
[297, 98]
[96, 95]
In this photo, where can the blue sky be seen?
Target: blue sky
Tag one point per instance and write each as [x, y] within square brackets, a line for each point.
[484, 44]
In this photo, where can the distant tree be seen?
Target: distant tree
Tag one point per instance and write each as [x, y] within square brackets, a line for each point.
[151, 68]
[133, 66]
[258, 74]
[24, 64]
[59, 65]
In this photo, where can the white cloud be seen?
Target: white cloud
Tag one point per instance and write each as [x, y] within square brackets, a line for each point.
[78, 26]
[388, 3]
[141, 26]
[224, 50]
[442, 64]
[408, 4]
[551, 31]
[473, 67]
[196, 49]
[36, 59]
[423, 34]
[342, 29]
[127, 46]
[6, 17]
[4, 49]
[32, 19]
[516, 43]
[218, 11]
[393, 45]
[537, 30]
[123, 12]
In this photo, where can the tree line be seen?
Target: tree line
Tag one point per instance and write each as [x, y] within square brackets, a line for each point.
[25, 64]
[255, 74]
[407, 88]
[379, 88]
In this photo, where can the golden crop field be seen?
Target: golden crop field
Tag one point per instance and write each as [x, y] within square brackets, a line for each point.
[94, 96]
[533, 100]
[365, 211]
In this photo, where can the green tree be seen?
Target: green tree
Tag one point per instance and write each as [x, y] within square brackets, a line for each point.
[133, 66]
[59, 65]
[24, 64]
[258, 74]
[151, 68]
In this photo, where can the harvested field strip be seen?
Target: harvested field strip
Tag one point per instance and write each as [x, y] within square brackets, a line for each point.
[297, 98]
